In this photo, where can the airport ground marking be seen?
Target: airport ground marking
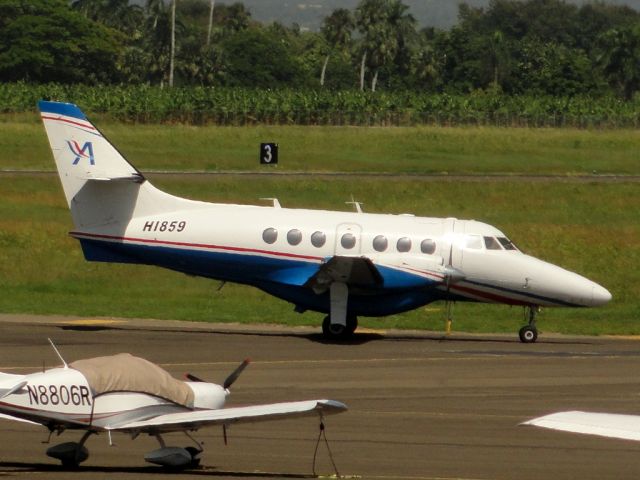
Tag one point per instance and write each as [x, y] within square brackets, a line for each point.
[93, 321]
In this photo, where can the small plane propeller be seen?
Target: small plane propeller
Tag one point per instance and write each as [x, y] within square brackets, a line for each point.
[192, 378]
[230, 380]
[235, 374]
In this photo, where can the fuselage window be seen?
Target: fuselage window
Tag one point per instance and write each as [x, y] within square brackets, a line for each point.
[404, 244]
[506, 243]
[348, 240]
[491, 243]
[474, 242]
[380, 243]
[318, 239]
[294, 236]
[270, 235]
[428, 246]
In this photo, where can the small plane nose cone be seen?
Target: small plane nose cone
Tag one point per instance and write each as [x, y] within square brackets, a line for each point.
[600, 295]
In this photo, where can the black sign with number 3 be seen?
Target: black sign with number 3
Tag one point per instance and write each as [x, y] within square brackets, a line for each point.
[268, 153]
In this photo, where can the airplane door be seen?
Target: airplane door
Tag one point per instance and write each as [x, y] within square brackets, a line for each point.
[348, 237]
[454, 232]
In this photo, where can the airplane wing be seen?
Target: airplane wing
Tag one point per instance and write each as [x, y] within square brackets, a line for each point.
[354, 271]
[17, 419]
[7, 388]
[226, 416]
[604, 424]
[363, 273]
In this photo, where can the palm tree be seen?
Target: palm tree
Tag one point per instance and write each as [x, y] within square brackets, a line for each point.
[336, 30]
[118, 14]
[371, 19]
[212, 4]
[386, 27]
[157, 38]
[173, 42]
[620, 59]
[154, 10]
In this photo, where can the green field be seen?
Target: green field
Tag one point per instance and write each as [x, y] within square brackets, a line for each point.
[424, 149]
[589, 227]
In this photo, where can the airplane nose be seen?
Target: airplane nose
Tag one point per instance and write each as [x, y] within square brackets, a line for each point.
[599, 296]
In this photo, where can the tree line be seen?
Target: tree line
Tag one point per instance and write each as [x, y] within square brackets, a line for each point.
[515, 47]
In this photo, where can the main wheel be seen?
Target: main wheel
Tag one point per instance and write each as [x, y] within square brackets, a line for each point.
[195, 456]
[335, 331]
[352, 324]
[528, 334]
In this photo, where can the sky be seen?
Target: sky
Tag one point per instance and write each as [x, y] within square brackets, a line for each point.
[309, 13]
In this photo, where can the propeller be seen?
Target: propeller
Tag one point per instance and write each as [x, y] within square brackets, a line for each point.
[230, 380]
[192, 378]
[235, 374]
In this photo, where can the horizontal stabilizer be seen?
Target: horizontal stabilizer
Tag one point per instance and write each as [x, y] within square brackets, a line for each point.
[604, 424]
[135, 178]
[8, 390]
[257, 413]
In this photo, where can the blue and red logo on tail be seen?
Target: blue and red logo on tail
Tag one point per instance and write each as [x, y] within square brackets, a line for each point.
[85, 152]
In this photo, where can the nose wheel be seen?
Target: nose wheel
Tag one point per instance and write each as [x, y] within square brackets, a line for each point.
[529, 333]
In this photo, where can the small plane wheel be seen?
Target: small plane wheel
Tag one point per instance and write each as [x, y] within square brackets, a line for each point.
[352, 324]
[195, 456]
[335, 331]
[528, 334]
[70, 464]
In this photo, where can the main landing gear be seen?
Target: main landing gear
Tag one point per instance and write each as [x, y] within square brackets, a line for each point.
[337, 331]
[175, 458]
[339, 324]
[529, 333]
[70, 454]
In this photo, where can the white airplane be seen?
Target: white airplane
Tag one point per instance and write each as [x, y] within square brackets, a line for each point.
[123, 393]
[611, 425]
[340, 263]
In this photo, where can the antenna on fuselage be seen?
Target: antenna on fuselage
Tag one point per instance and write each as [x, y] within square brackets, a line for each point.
[58, 353]
[276, 202]
[357, 205]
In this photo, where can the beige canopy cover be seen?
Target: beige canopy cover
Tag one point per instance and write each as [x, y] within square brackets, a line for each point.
[126, 373]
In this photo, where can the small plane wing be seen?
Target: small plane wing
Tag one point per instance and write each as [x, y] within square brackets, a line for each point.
[226, 416]
[7, 388]
[17, 419]
[604, 424]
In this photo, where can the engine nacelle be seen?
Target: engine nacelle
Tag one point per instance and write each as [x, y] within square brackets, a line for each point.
[208, 395]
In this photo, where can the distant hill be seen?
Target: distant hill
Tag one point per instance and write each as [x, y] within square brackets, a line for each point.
[309, 13]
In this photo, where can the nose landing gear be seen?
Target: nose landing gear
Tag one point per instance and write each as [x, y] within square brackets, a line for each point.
[529, 333]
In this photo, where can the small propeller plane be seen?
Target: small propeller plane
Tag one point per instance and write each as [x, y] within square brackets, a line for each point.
[124, 393]
[344, 264]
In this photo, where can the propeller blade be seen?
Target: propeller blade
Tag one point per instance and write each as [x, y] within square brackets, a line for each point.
[236, 373]
[192, 378]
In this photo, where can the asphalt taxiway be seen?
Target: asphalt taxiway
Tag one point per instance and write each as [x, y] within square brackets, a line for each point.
[420, 406]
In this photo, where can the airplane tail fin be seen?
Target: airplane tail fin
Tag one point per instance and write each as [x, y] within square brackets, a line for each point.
[80, 150]
[103, 190]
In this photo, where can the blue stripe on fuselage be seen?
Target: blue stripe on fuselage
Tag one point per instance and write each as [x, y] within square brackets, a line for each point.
[281, 277]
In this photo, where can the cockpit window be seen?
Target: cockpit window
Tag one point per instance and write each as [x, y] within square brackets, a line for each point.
[473, 241]
[491, 243]
[506, 243]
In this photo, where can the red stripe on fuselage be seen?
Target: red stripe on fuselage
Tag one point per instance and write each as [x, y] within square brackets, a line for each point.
[458, 288]
[194, 245]
[489, 296]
